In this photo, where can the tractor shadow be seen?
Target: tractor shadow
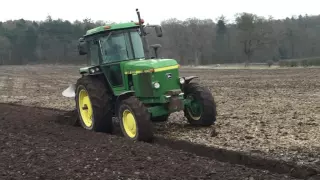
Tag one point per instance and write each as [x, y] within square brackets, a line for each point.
[166, 128]
[176, 125]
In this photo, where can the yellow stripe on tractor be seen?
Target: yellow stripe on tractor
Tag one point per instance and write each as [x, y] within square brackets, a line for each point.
[153, 70]
[166, 68]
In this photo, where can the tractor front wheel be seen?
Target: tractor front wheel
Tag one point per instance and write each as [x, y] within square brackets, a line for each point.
[202, 108]
[93, 104]
[135, 120]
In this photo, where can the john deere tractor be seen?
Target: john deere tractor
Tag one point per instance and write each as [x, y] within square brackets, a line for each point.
[124, 80]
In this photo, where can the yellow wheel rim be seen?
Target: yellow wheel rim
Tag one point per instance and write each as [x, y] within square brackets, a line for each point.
[194, 110]
[196, 118]
[129, 123]
[85, 108]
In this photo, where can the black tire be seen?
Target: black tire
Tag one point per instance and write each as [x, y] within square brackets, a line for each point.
[100, 101]
[160, 118]
[206, 100]
[143, 124]
[74, 121]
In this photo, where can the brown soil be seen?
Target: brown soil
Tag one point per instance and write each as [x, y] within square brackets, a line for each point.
[34, 146]
[274, 112]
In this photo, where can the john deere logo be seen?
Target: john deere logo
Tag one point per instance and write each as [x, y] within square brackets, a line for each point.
[169, 76]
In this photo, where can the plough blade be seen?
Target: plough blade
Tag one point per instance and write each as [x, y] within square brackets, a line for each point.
[70, 91]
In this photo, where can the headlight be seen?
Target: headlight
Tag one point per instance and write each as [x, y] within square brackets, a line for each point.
[156, 85]
[92, 71]
[181, 80]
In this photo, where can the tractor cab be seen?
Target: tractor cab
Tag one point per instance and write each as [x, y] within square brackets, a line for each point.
[117, 42]
[114, 46]
[110, 48]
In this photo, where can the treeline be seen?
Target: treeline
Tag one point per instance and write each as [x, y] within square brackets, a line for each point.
[250, 38]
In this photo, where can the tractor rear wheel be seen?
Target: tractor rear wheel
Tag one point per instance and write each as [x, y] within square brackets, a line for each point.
[202, 108]
[135, 120]
[93, 104]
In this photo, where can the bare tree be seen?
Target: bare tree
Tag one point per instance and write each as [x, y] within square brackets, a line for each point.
[254, 33]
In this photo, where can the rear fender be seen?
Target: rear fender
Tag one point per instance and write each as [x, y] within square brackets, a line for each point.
[71, 90]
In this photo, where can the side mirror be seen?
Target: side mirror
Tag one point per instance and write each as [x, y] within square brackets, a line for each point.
[158, 31]
[82, 47]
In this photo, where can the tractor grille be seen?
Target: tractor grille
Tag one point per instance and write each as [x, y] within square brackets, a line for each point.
[145, 85]
[169, 82]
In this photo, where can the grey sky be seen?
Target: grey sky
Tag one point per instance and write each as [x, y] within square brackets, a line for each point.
[152, 11]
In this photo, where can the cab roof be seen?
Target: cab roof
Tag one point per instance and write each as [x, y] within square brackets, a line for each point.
[112, 27]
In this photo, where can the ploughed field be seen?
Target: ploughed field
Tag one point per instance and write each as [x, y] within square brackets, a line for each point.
[274, 113]
[34, 146]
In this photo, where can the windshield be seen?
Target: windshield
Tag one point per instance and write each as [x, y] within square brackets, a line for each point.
[119, 46]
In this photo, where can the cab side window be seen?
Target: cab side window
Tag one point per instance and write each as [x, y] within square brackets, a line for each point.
[94, 53]
[114, 74]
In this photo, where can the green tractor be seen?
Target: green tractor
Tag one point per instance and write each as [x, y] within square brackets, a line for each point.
[123, 80]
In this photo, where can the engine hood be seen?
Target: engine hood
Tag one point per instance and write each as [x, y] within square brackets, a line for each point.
[141, 65]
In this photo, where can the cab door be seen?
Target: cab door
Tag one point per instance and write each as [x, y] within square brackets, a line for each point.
[113, 72]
